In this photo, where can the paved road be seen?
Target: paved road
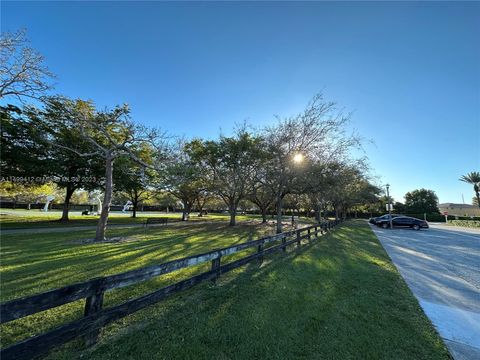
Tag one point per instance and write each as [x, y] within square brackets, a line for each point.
[441, 266]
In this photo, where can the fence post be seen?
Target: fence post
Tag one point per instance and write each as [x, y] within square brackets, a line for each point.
[316, 231]
[260, 250]
[93, 304]
[309, 235]
[216, 267]
[284, 247]
[299, 242]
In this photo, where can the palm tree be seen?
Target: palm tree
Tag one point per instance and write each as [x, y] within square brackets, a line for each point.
[475, 201]
[474, 179]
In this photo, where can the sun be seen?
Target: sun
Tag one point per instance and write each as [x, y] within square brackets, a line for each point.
[298, 158]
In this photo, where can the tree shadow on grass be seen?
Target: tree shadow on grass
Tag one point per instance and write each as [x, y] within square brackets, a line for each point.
[38, 260]
[326, 300]
[49, 262]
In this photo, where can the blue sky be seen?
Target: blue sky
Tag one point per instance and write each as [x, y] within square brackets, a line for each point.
[410, 72]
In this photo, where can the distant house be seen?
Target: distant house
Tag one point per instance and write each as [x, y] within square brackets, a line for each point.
[459, 209]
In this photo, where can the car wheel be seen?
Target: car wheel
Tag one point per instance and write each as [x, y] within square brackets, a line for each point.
[416, 227]
[385, 225]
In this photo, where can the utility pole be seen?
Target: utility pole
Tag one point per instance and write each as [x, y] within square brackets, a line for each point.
[389, 206]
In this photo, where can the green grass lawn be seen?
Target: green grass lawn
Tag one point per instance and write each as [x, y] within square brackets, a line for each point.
[28, 219]
[27, 222]
[24, 219]
[340, 298]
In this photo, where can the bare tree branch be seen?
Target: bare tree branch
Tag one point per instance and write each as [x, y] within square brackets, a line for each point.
[23, 73]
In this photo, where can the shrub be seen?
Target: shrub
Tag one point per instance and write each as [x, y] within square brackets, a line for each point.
[465, 223]
[430, 217]
[441, 218]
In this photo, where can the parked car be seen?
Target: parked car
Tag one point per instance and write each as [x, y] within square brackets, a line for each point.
[403, 221]
[374, 220]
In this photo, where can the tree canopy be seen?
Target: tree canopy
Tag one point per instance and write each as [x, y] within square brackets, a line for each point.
[301, 161]
[421, 201]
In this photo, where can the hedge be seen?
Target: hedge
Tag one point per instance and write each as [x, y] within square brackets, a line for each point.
[465, 223]
[441, 218]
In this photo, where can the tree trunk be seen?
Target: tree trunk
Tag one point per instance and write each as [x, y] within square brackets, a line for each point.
[264, 214]
[134, 208]
[233, 213]
[107, 200]
[134, 201]
[66, 203]
[279, 206]
[186, 210]
[200, 208]
[477, 193]
[317, 213]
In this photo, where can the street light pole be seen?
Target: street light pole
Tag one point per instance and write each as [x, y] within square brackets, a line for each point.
[389, 206]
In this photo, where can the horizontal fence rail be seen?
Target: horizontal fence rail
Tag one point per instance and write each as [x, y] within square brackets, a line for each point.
[93, 292]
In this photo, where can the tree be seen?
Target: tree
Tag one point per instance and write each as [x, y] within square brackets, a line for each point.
[260, 192]
[359, 192]
[344, 190]
[183, 177]
[399, 207]
[27, 150]
[231, 162]
[296, 202]
[20, 154]
[111, 134]
[262, 196]
[421, 201]
[70, 171]
[22, 70]
[215, 203]
[474, 179]
[316, 134]
[381, 204]
[318, 182]
[134, 179]
[27, 192]
[202, 199]
[79, 197]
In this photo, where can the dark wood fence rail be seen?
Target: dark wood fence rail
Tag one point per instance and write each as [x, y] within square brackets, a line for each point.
[93, 292]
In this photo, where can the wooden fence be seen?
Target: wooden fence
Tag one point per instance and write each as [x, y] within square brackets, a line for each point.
[95, 317]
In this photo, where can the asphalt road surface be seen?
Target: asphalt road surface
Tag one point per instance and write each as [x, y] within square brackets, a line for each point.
[441, 265]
